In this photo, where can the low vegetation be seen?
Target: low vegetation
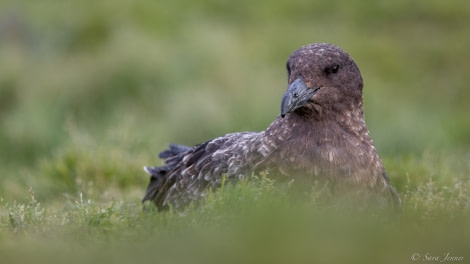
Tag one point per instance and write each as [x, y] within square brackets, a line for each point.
[91, 91]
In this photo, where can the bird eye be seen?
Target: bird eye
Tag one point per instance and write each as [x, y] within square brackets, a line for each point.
[288, 68]
[332, 69]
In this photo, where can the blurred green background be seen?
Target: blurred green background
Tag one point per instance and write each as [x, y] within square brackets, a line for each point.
[90, 91]
[89, 81]
[187, 71]
[124, 78]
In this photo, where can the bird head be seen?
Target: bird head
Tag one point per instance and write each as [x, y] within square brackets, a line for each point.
[321, 77]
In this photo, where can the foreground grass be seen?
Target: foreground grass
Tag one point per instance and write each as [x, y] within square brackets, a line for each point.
[253, 222]
[90, 91]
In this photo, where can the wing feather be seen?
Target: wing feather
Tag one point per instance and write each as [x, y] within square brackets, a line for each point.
[189, 172]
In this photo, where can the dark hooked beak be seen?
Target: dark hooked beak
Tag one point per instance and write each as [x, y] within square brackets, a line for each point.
[297, 95]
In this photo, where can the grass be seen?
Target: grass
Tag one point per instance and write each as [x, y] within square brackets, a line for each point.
[91, 91]
[251, 222]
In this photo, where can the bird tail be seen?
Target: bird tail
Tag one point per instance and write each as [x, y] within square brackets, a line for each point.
[158, 174]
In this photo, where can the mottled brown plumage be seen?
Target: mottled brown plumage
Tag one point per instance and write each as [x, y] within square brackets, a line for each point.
[320, 136]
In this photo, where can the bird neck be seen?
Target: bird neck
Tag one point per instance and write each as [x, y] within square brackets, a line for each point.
[338, 147]
[348, 118]
[345, 128]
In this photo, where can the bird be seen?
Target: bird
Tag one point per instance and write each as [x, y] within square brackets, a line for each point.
[320, 136]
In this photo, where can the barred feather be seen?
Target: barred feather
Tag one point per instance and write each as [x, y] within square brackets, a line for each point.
[320, 136]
